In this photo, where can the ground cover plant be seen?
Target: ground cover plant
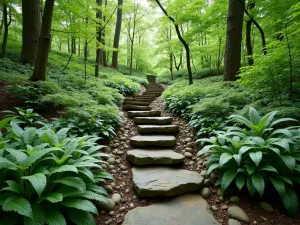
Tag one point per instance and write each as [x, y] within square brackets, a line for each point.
[255, 153]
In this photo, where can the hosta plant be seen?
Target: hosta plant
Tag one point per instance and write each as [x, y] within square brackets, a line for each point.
[255, 153]
[26, 117]
[79, 126]
[48, 177]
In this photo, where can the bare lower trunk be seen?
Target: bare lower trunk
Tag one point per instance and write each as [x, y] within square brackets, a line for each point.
[248, 43]
[5, 35]
[115, 55]
[31, 30]
[232, 59]
[39, 72]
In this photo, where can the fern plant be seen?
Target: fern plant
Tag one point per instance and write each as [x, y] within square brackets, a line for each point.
[255, 153]
[48, 177]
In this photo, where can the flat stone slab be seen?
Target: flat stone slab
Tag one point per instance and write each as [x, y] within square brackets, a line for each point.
[154, 157]
[136, 102]
[184, 210]
[146, 129]
[132, 114]
[136, 107]
[153, 120]
[164, 181]
[153, 140]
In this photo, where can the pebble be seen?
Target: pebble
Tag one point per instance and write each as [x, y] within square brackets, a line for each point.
[205, 192]
[125, 172]
[266, 206]
[234, 199]
[224, 207]
[220, 192]
[191, 163]
[189, 149]
[108, 221]
[131, 205]
[106, 206]
[190, 144]
[111, 167]
[213, 176]
[122, 209]
[144, 201]
[111, 161]
[238, 213]
[214, 208]
[203, 173]
[207, 182]
[188, 155]
[233, 222]
[188, 140]
[116, 198]
[109, 188]
[113, 171]
[221, 198]
[111, 213]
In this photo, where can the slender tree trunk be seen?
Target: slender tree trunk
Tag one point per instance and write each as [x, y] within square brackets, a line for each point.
[104, 62]
[232, 61]
[31, 30]
[248, 43]
[79, 49]
[99, 37]
[39, 72]
[131, 54]
[1, 26]
[117, 35]
[69, 48]
[6, 25]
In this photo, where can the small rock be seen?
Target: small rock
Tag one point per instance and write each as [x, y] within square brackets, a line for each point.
[109, 188]
[122, 209]
[221, 198]
[214, 208]
[191, 163]
[111, 167]
[131, 205]
[113, 185]
[144, 201]
[190, 144]
[237, 213]
[207, 182]
[108, 221]
[188, 155]
[213, 176]
[111, 213]
[203, 173]
[266, 206]
[234, 199]
[205, 192]
[111, 161]
[224, 207]
[264, 218]
[220, 192]
[188, 140]
[107, 206]
[125, 172]
[127, 191]
[116, 198]
[233, 222]
[113, 171]
[104, 166]
[189, 149]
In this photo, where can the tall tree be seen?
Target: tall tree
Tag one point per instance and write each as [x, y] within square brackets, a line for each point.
[184, 43]
[39, 72]
[6, 23]
[99, 55]
[31, 13]
[232, 61]
[117, 35]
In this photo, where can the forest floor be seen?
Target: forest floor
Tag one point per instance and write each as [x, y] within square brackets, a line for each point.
[123, 184]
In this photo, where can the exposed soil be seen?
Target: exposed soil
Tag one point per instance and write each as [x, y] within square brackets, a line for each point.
[124, 186]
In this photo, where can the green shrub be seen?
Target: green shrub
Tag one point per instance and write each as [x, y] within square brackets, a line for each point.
[25, 117]
[255, 154]
[142, 81]
[124, 85]
[47, 176]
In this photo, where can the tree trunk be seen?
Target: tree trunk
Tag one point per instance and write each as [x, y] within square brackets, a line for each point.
[171, 66]
[69, 49]
[99, 36]
[79, 49]
[1, 26]
[39, 72]
[104, 62]
[248, 43]
[232, 61]
[31, 30]
[115, 55]
[131, 54]
[5, 35]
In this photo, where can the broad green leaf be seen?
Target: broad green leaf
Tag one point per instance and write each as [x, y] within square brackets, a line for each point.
[256, 157]
[254, 116]
[81, 204]
[93, 196]
[289, 161]
[75, 182]
[278, 184]
[19, 205]
[64, 168]
[224, 158]
[240, 181]
[36, 156]
[38, 216]
[18, 131]
[212, 168]
[18, 154]
[38, 181]
[13, 187]
[268, 168]
[4, 122]
[54, 217]
[80, 217]
[5, 163]
[53, 197]
[258, 183]
[250, 186]
[290, 200]
[227, 179]
[282, 120]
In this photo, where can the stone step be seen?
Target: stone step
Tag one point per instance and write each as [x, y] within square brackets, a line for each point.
[148, 129]
[154, 157]
[142, 97]
[153, 140]
[189, 209]
[136, 102]
[136, 108]
[153, 120]
[132, 114]
[148, 100]
[165, 181]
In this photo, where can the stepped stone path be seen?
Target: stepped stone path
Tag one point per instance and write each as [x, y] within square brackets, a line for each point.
[154, 174]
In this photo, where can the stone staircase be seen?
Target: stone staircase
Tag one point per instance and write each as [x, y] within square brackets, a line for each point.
[154, 174]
